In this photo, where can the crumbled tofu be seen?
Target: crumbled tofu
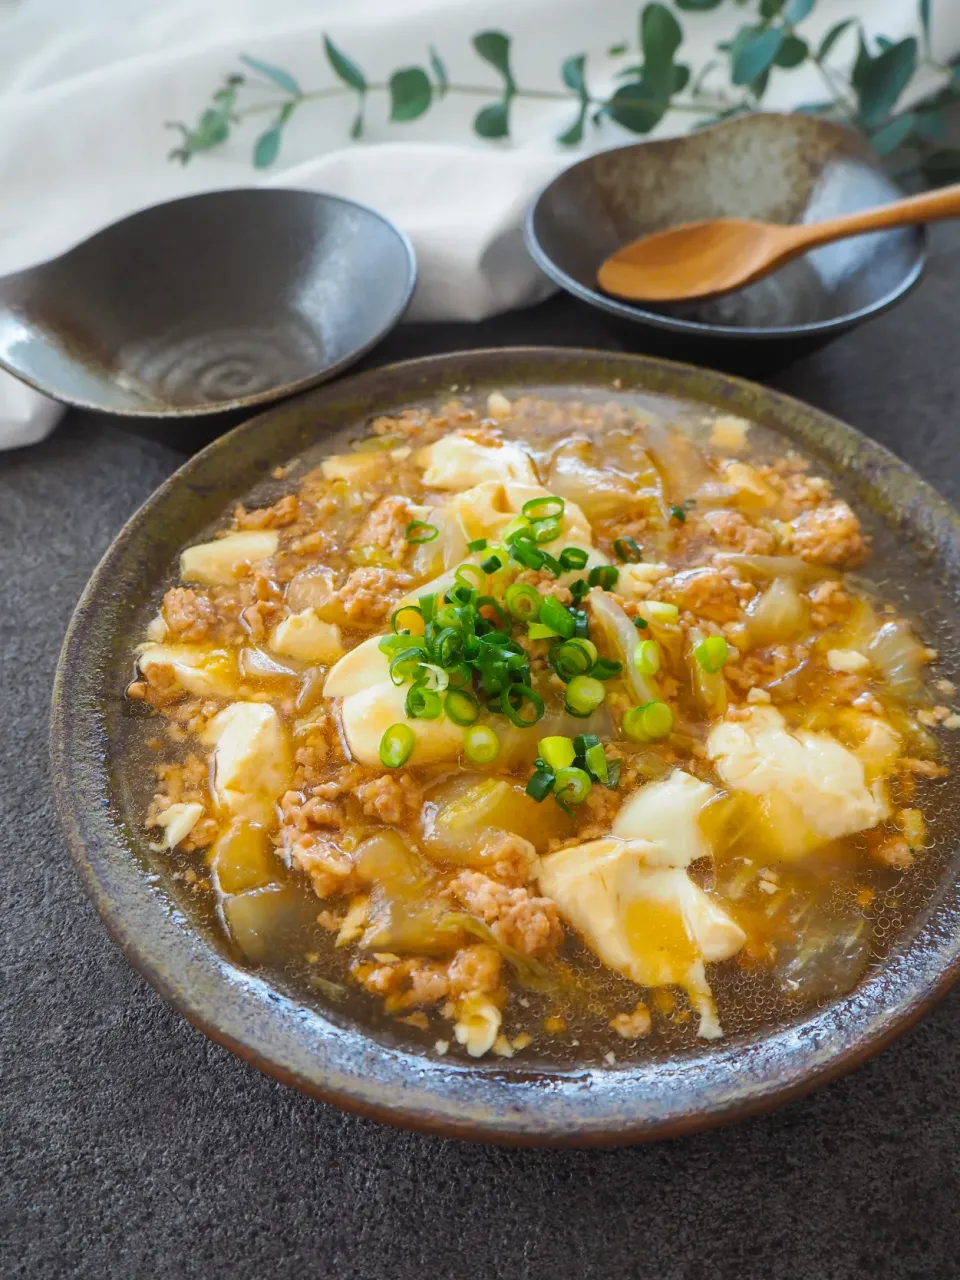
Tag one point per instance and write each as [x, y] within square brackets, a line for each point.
[157, 629]
[846, 660]
[478, 1025]
[354, 922]
[177, 822]
[502, 1047]
[227, 559]
[498, 406]
[610, 1059]
[441, 1046]
[636, 581]
[757, 695]
[952, 721]
[632, 1026]
[307, 638]
[911, 823]
[729, 432]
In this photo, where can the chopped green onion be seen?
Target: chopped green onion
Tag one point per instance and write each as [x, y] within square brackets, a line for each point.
[712, 653]
[519, 526]
[523, 601]
[527, 555]
[579, 588]
[458, 676]
[678, 513]
[547, 530]
[604, 575]
[512, 700]
[549, 562]
[404, 666]
[462, 708]
[540, 785]
[660, 611]
[553, 614]
[488, 602]
[557, 752]
[572, 787]
[573, 658]
[396, 746]
[648, 723]
[628, 549]
[480, 744]
[646, 657]
[537, 631]
[393, 644]
[478, 544]
[613, 774]
[573, 558]
[581, 625]
[596, 762]
[491, 564]
[584, 694]
[422, 703]
[462, 595]
[605, 669]
[584, 741]
[640, 624]
[542, 508]
[433, 677]
[419, 531]
[470, 575]
[398, 626]
[445, 647]
[428, 606]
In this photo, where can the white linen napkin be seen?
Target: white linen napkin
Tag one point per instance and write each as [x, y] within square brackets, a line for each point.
[86, 91]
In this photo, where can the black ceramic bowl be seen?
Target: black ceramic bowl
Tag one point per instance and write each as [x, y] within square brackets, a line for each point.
[212, 302]
[319, 1048]
[777, 168]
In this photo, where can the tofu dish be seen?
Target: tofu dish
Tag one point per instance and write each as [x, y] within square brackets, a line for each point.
[563, 729]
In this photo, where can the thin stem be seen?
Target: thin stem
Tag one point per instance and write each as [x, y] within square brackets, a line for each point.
[837, 90]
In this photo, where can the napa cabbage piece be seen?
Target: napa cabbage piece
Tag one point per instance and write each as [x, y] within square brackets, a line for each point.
[622, 637]
[666, 815]
[242, 858]
[650, 923]
[456, 462]
[813, 788]
[252, 760]
[776, 616]
[360, 467]
[462, 814]
[194, 668]
[226, 559]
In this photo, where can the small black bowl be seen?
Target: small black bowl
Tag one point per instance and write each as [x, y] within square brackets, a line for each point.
[212, 302]
[777, 168]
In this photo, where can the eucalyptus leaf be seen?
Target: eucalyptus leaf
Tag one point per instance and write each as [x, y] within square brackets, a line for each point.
[570, 137]
[792, 53]
[932, 125]
[635, 107]
[214, 128]
[757, 56]
[660, 38]
[681, 77]
[440, 72]
[831, 38]
[492, 121]
[941, 166]
[283, 79]
[797, 10]
[925, 24]
[267, 148]
[494, 47]
[862, 64]
[572, 74]
[893, 134]
[410, 94]
[356, 129]
[617, 50]
[885, 79]
[770, 8]
[348, 71]
[698, 6]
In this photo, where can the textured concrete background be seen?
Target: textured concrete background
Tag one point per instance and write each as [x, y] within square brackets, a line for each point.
[131, 1146]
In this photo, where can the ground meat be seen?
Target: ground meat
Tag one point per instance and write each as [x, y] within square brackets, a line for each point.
[597, 813]
[511, 858]
[735, 532]
[475, 968]
[185, 783]
[767, 668]
[284, 512]
[925, 768]
[516, 918]
[893, 852]
[705, 593]
[829, 534]
[632, 1025]
[331, 871]
[369, 595]
[412, 983]
[545, 583]
[190, 616]
[394, 798]
[830, 604]
[386, 526]
[316, 747]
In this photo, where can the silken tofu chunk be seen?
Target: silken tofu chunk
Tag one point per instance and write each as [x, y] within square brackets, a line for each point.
[190, 668]
[667, 815]
[307, 638]
[456, 462]
[367, 715]
[252, 761]
[227, 559]
[650, 923]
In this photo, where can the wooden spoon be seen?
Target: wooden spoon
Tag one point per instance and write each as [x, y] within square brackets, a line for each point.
[700, 259]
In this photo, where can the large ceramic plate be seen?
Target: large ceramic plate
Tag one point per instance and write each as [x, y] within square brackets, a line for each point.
[326, 1054]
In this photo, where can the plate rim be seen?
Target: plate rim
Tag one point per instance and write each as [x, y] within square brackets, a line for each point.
[346, 1066]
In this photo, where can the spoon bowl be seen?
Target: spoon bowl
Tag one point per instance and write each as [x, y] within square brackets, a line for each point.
[207, 303]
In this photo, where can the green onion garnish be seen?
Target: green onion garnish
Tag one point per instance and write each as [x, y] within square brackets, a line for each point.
[404, 627]
[584, 694]
[712, 653]
[422, 703]
[553, 614]
[604, 575]
[542, 508]
[459, 676]
[462, 708]
[646, 657]
[527, 555]
[573, 558]
[551, 563]
[432, 677]
[419, 531]
[579, 588]
[470, 575]
[640, 624]
[547, 530]
[581, 625]
[557, 752]
[628, 549]
[428, 606]
[478, 544]
[537, 631]
[480, 744]
[540, 785]
[404, 665]
[571, 788]
[648, 723]
[491, 564]
[488, 602]
[523, 601]
[396, 746]
[605, 668]
[678, 513]
[512, 700]
[660, 611]
[573, 658]
[596, 762]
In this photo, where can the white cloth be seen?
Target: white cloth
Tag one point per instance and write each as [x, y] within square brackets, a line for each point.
[86, 87]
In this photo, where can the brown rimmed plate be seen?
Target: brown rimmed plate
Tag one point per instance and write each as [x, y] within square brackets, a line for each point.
[326, 1054]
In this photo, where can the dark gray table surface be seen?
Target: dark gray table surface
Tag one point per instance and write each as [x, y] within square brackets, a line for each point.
[132, 1146]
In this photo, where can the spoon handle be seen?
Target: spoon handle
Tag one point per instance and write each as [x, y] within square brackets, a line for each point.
[928, 207]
